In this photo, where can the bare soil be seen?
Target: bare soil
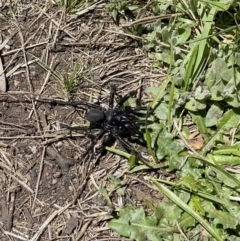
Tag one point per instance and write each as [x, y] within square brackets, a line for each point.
[47, 191]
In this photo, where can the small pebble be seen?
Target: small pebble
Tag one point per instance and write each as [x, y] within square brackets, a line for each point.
[32, 174]
[59, 144]
[33, 149]
[57, 174]
[76, 157]
[54, 181]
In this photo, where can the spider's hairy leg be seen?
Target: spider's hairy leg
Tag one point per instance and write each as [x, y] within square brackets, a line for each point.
[133, 127]
[83, 128]
[126, 97]
[129, 148]
[137, 109]
[125, 144]
[94, 141]
[111, 98]
[76, 103]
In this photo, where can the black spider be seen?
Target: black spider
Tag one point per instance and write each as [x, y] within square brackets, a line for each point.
[118, 121]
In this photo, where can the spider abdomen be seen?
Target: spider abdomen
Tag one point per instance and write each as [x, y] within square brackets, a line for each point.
[95, 115]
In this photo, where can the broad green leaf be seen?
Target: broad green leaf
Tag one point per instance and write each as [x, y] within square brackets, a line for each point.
[114, 14]
[154, 91]
[183, 34]
[202, 93]
[213, 115]
[233, 101]
[212, 163]
[186, 221]
[195, 105]
[199, 120]
[227, 74]
[133, 7]
[132, 162]
[226, 159]
[165, 146]
[196, 183]
[134, 223]
[228, 180]
[161, 111]
[221, 5]
[229, 120]
[213, 77]
[168, 211]
[228, 150]
[225, 219]
[196, 205]
[218, 67]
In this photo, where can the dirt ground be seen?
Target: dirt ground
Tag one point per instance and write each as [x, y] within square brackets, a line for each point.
[47, 191]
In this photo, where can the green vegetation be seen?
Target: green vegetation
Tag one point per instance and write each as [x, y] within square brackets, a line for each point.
[198, 42]
[72, 6]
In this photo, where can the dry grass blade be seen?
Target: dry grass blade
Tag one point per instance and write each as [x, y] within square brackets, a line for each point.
[151, 19]
[3, 84]
[46, 223]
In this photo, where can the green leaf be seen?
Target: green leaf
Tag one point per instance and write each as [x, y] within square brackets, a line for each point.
[225, 159]
[228, 150]
[191, 58]
[165, 146]
[133, 223]
[227, 220]
[199, 120]
[195, 105]
[132, 161]
[226, 179]
[133, 7]
[229, 120]
[218, 67]
[187, 209]
[160, 93]
[183, 34]
[199, 55]
[168, 211]
[147, 167]
[114, 14]
[104, 192]
[196, 205]
[161, 111]
[202, 93]
[213, 115]
[221, 5]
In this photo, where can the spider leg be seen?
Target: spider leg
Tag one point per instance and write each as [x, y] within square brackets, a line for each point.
[111, 98]
[129, 148]
[137, 108]
[84, 128]
[133, 128]
[125, 97]
[76, 104]
[94, 141]
[125, 144]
